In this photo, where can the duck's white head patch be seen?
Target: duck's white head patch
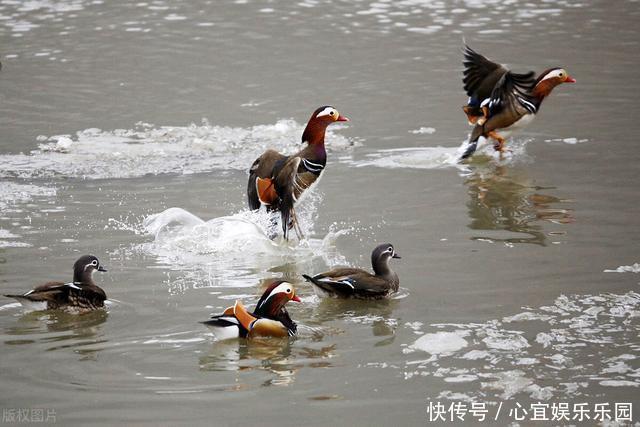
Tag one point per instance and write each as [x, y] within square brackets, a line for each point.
[328, 111]
[284, 287]
[556, 73]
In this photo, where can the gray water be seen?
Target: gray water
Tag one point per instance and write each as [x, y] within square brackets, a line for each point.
[113, 112]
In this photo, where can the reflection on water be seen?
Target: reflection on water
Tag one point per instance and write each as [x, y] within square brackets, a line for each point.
[280, 357]
[503, 197]
[377, 313]
[61, 329]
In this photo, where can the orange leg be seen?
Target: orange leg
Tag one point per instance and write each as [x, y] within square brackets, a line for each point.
[470, 116]
[485, 115]
[500, 141]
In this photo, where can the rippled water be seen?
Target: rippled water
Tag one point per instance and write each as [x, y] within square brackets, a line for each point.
[127, 132]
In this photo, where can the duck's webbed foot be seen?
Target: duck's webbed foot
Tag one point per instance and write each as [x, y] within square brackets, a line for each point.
[500, 141]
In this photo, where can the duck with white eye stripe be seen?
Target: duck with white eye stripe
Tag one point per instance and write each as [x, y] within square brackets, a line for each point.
[80, 295]
[269, 318]
[501, 101]
[347, 282]
[278, 181]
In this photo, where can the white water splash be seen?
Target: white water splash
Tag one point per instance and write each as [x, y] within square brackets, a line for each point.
[235, 250]
[413, 158]
[441, 157]
[97, 154]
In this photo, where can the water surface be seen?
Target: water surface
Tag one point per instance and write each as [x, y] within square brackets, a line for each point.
[114, 112]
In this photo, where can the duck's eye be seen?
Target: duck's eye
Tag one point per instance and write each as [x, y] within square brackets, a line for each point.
[390, 249]
[94, 262]
[288, 290]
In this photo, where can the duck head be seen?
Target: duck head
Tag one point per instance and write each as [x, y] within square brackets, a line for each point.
[84, 268]
[380, 258]
[317, 124]
[549, 79]
[275, 297]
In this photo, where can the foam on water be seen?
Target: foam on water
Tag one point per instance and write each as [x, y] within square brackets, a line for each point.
[12, 194]
[416, 158]
[440, 157]
[635, 268]
[5, 234]
[580, 341]
[441, 342]
[235, 250]
[147, 149]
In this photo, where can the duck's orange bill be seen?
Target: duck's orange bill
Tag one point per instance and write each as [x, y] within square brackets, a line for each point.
[570, 80]
[342, 118]
[296, 298]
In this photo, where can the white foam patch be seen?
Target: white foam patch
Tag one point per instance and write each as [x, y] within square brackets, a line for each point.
[13, 244]
[12, 193]
[635, 268]
[423, 130]
[593, 336]
[441, 342]
[97, 154]
[570, 141]
[6, 234]
[12, 196]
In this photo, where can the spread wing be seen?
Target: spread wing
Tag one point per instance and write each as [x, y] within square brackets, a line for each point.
[484, 79]
[512, 90]
[480, 74]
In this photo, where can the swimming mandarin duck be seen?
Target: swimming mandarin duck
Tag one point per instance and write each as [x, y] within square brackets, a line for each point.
[278, 181]
[269, 318]
[78, 296]
[346, 282]
[501, 101]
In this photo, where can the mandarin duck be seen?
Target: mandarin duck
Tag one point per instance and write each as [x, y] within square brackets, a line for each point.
[501, 101]
[277, 181]
[347, 282]
[269, 317]
[80, 295]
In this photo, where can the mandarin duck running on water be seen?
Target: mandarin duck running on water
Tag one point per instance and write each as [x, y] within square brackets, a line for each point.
[269, 318]
[346, 282]
[501, 100]
[81, 295]
[278, 181]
